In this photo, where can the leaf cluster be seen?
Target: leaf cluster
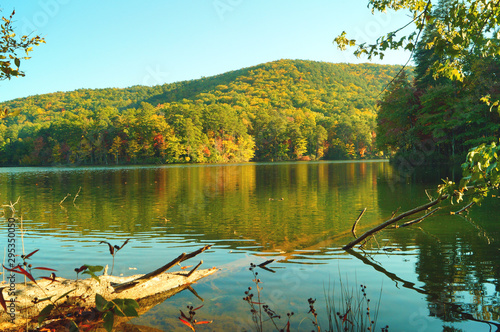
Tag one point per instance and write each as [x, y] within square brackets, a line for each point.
[116, 307]
[462, 26]
[10, 47]
[481, 170]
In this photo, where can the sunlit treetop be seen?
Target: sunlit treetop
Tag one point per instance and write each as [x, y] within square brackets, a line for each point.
[463, 28]
[10, 47]
[13, 49]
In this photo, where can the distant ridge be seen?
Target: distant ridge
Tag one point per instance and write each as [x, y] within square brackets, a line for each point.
[280, 110]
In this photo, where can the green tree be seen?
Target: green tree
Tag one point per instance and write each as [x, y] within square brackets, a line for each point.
[469, 29]
[116, 148]
[397, 116]
[132, 149]
[11, 47]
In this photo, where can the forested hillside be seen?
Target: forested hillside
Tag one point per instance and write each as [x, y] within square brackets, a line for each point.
[282, 110]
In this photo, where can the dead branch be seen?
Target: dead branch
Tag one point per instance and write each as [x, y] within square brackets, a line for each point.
[393, 220]
[60, 203]
[74, 199]
[12, 207]
[197, 252]
[263, 264]
[146, 277]
[194, 269]
[394, 212]
[416, 221]
[353, 230]
[428, 195]
[464, 208]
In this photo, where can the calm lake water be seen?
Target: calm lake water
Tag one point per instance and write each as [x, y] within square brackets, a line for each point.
[299, 214]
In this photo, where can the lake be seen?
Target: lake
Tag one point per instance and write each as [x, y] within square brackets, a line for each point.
[441, 273]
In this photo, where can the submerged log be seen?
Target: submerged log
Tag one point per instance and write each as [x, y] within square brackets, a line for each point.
[147, 289]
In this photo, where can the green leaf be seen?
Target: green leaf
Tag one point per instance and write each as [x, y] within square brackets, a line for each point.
[91, 269]
[17, 62]
[73, 327]
[130, 311]
[491, 167]
[100, 302]
[109, 305]
[125, 307]
[94, 268]
[131, 302]
[108, 321]
[45, 313]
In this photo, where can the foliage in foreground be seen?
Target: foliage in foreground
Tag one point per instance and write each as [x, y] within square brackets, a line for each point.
[351, 311]
[60, 312]
[10, 47]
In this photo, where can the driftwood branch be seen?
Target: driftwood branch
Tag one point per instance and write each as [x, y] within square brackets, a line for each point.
[393, 220]
[353, 230]
[416, 221]
[195, 253]
[194, 269]
[146, 277]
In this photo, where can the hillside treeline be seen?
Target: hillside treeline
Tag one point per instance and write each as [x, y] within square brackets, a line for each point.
[282, 110]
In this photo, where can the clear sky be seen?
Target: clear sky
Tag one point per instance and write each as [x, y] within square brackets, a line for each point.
[120, 43]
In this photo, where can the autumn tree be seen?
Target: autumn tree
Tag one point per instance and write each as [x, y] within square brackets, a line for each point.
[13, 50]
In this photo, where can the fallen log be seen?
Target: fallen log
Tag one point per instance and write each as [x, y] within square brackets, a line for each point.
[147, 289]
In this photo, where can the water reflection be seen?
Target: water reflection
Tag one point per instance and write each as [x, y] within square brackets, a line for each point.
[278, 206]
[298, 213]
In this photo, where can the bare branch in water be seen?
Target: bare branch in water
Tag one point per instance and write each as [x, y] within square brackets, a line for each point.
[60, 203]
[74, 199]
[353, 230]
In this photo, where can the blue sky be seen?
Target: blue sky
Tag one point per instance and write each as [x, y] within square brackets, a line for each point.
[120, 43]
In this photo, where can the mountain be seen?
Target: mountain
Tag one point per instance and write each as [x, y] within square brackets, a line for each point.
[281, 110]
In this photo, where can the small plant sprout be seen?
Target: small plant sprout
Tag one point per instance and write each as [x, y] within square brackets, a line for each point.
[312, 311]
[189, 319]
[26, 269]
[257, 306]
[90, 270]
[353, 312]
[80, 269]
[113, 250]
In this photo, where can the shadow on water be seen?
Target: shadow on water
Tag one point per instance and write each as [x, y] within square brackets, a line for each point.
[447, 311]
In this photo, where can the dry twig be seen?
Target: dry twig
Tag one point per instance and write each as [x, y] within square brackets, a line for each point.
[74, 199]
[353, 230]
